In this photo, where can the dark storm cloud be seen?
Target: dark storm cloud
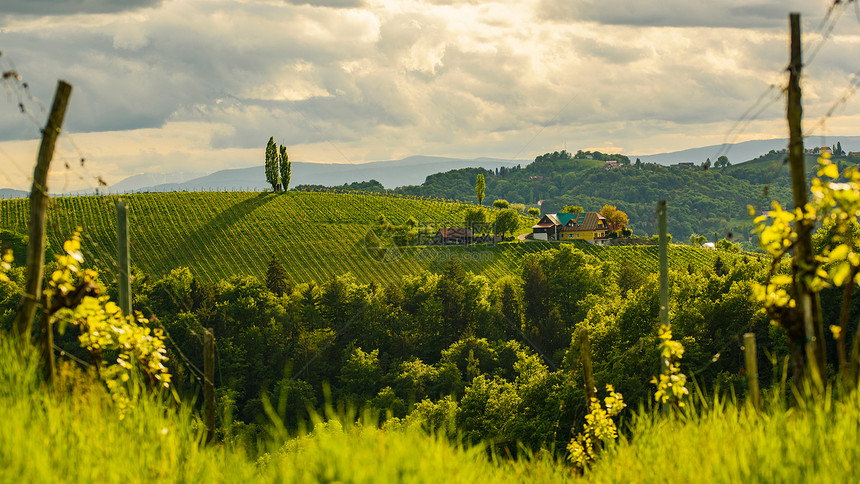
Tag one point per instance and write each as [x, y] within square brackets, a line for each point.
[70, 7]
[111, 91]
[679, 13]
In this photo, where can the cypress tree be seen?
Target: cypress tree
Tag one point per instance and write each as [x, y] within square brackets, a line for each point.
[286, 168]
[479, 189]
[272, 164]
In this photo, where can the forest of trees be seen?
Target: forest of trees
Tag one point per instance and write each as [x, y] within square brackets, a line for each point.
[491, 358]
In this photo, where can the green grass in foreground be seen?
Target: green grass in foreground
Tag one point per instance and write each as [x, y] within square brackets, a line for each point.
[75, 436]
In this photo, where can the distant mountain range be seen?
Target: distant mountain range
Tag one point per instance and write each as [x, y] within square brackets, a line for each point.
[408, 171]
[414, 169]
[135, 182]
[12, 193]
[745, 151]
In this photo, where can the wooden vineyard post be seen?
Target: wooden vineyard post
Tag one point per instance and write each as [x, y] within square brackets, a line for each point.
[37, 240]
[808, 305]
[587, 371]
[38, 218]
[664, 280]
[209, 383]
[752, 370]
[664, 263]
[122, 244]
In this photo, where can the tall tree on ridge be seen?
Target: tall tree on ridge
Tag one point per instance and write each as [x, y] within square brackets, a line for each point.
[276, 277]
[479, 189]
[286, 168]
[272, 163]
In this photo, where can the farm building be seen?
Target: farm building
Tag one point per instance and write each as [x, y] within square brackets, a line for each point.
[589, 226]
[453, 235]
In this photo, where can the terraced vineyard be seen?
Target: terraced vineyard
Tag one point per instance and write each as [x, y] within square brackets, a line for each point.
[317, 235]
[645, 257]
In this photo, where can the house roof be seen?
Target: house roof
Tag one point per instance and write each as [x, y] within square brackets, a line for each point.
[584, 221]
[549, 219]
[450, 232]
[564, 218]
[571, 221]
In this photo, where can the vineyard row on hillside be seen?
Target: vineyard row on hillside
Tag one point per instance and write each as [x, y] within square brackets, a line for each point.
[316, 235]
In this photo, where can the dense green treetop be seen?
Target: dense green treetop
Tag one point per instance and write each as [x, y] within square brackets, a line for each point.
[271, 166]
[284, 167]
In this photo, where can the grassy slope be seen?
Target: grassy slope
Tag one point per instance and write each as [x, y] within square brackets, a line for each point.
[75, 436]
[770, 169]
[317, 235]
[728, 444]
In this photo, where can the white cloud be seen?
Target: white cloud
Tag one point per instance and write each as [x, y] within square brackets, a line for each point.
[360, 81]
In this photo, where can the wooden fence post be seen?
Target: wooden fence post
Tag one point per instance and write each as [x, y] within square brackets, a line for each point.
[209, 383]
[752, 370]
[663, 262]
[122, 243]
[808, 305]
[38, 215]
[587, 371]
[663, 252]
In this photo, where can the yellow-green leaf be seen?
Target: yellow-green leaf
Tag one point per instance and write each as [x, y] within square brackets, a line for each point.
[840, 272]
[840, 252]
[781, 279]
[831, 171]
[836, 330]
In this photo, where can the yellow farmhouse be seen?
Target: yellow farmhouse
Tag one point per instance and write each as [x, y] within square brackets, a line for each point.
[588, 226]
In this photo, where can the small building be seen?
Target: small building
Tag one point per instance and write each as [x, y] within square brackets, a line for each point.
[610, 165]
[588, 226]
[686, 164]
[453, 236]
[546, 228]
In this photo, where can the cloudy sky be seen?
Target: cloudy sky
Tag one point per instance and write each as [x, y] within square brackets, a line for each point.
[200, 85]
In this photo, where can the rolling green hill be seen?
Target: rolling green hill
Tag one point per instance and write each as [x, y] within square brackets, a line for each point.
[317, 235]
[712, 202]
[700, 201]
